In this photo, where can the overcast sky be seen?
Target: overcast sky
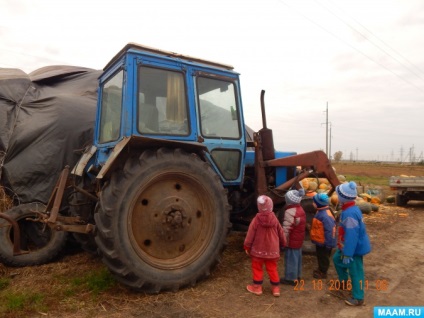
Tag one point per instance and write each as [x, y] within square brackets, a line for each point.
[365, 58]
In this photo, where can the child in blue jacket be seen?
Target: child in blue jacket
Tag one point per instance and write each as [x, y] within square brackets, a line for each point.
[323, 234]
[353, 244]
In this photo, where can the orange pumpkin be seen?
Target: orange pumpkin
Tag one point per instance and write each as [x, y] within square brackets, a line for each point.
[341, 178]
[305, 183]
[365, 196]
[334, 199]
[313, 185]
[323, 186]
[324, 180]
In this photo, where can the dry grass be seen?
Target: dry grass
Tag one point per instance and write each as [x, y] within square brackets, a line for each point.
[56, 285]
[6, 201]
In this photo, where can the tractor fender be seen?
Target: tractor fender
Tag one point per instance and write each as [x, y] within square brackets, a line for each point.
[85, 158]
[142, 143]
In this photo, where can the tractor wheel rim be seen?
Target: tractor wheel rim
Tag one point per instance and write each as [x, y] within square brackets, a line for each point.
[171, 220]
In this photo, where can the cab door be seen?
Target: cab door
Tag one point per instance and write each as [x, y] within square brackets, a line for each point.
[220, 123]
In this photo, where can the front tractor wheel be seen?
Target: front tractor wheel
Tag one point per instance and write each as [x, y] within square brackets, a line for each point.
[163, 221]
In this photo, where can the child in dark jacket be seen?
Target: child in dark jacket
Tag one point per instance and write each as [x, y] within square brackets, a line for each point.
[294, 226]
[264, 239]
[323, 234]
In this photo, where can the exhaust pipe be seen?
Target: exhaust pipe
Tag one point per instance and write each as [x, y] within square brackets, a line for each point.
[268, 151]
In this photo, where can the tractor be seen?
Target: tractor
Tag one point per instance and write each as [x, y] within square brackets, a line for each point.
[172, 167]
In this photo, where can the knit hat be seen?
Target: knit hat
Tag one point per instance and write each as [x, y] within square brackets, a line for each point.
[294, 196]
[321, 200]
[265, 204]
[346, 192]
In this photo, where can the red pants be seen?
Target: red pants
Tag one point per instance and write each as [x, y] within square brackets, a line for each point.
[271, 269]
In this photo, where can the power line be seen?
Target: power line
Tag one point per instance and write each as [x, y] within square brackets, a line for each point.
[391, 48]
[351, 46]
[376, 45]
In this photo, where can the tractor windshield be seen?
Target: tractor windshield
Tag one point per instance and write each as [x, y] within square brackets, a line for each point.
[162, 105]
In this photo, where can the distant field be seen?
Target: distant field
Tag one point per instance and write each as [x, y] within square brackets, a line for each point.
[375, 174]
[377, 170]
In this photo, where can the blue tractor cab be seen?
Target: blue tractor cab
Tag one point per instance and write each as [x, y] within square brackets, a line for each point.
[152, 97]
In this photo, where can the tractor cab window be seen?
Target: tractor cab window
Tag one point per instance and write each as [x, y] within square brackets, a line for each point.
[162, 105]
[218, 108]
[111, 109]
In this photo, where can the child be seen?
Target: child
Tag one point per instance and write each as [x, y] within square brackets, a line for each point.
[353, 243]
[323, 234]
[264, 239]
[294, 230]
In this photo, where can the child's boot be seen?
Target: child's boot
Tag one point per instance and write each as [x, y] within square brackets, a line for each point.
[255, 289]
[275, 290]
[320, 275]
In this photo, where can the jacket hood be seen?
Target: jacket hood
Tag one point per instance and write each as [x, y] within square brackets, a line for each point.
[267, 219]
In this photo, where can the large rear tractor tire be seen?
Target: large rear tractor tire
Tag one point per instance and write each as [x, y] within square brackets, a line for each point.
[163, 221]
[43, 243]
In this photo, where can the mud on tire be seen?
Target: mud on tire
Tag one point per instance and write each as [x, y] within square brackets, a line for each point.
[163, 221]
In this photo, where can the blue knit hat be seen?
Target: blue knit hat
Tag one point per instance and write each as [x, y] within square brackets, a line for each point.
[346, 192]
[321, 200]
[294, 196]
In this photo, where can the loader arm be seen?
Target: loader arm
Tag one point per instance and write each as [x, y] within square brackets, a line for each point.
[315, 161]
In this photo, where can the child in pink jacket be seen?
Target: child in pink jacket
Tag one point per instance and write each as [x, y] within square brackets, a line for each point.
[264, 239]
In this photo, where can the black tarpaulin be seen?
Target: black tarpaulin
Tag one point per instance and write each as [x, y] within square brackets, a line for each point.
[45, 117]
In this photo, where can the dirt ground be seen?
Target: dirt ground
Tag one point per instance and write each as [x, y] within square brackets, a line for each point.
[393, 271]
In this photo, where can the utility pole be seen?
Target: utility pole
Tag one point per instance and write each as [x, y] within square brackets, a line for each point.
[411, 154]
[401, 154]
[329, 148]
[326, 132]
[327, 137]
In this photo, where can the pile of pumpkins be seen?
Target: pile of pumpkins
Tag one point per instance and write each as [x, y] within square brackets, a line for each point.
[364, 201]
